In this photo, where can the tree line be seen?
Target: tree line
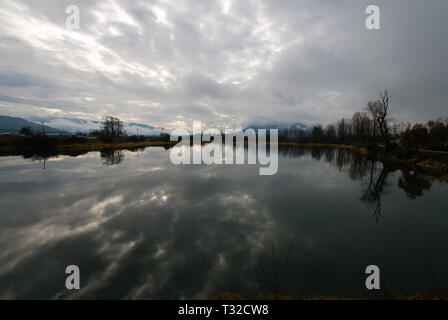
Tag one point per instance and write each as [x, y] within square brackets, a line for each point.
[371, 125]
[374, 126]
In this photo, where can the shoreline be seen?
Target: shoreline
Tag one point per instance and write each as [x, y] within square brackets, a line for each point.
[433, 164]
[422, 161]
[79, 148]
[97, 146]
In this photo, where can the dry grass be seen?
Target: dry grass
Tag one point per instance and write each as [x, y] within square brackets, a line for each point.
[14, 149]
[98, 145]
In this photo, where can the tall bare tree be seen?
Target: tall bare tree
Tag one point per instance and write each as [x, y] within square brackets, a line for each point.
[379, 111]
[343, 129]
[330, 133]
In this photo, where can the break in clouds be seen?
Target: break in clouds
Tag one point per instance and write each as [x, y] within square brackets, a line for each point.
[226, 63]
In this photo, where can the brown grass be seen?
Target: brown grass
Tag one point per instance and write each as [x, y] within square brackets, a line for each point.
[14, 149]
[98, 145]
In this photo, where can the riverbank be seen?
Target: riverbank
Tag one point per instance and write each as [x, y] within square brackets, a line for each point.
[433, 163]
[74, 147]
[423, 161]
[98, 145]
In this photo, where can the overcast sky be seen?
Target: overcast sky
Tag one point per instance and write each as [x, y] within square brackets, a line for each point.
[227, 63]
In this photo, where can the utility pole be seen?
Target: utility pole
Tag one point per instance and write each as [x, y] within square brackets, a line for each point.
[43, 130]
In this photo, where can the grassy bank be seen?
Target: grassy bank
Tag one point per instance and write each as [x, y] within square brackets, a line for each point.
[424, 161]
[16, 145]
[98, 145]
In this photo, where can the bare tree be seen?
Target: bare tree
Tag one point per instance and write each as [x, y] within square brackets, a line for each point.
[360, 125]
[343, 129]
[113, 127]
[374, 108]
[317, 133]
[330, 133]
[379, 111]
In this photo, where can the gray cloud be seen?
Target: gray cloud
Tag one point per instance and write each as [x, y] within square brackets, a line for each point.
[222, 62]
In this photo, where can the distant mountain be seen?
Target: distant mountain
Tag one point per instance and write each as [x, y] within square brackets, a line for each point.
[14, 124]
[74, 125]
[280, 126]
[134, 126]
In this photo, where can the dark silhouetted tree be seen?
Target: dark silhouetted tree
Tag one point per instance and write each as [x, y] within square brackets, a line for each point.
[113, 128]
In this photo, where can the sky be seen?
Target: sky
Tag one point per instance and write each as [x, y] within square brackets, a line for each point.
[227, 63]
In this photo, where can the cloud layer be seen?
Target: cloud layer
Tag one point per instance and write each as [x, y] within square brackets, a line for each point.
[227, 63]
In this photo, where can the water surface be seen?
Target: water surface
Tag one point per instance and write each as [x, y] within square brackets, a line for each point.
[139, 227]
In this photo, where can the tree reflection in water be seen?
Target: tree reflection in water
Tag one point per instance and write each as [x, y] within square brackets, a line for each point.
[413, 184]
[373, 174]
[376, 188]
[111, 157]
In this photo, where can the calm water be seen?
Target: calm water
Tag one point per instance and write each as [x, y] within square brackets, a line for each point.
[140, 227]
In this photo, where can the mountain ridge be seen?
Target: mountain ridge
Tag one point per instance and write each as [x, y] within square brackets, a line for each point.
[74, 125]
[15, 124]
[279, 126]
